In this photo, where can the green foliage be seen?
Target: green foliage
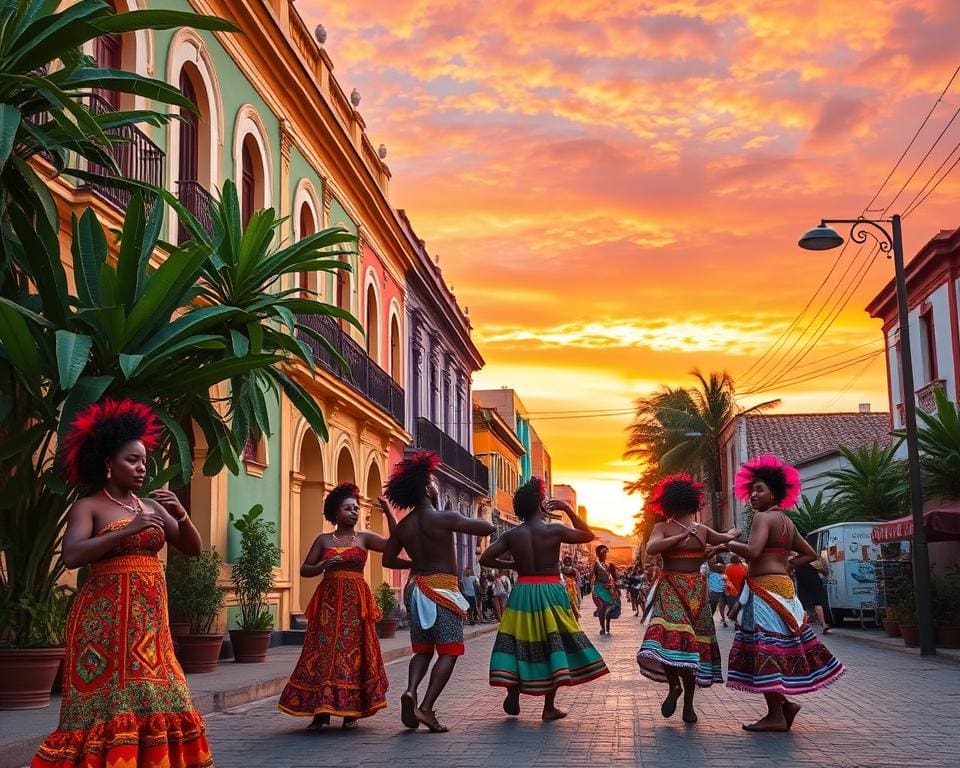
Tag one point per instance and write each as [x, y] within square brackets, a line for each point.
[946, 598]
[47, 617]
[939, 439]
[872, 485]
[810, 515]
[678, 430]
[253, 569]
[193, 583]
[386, 600]
[903, 598]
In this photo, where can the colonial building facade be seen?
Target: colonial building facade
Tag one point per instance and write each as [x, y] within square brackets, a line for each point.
[501, 451]
[273, 118]
[441, 360]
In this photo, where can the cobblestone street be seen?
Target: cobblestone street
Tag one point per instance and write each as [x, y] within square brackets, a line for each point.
[890, 709]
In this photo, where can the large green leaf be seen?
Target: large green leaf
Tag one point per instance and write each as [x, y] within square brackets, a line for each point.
[304, 402]
[210, 375]
[89, 389]
[89, 248]
[129, 265]
[19, 346]
[181, 445]
[73, 352]
[9, 123]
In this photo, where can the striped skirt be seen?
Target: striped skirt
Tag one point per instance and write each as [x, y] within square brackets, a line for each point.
[774, 650]
[540, 645]
[680, 633]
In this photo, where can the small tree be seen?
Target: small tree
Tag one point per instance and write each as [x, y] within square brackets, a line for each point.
[253, 569]
[872, 486]
[196, 579]
[386, 600]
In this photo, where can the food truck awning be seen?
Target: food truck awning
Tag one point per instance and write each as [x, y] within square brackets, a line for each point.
[940, 524]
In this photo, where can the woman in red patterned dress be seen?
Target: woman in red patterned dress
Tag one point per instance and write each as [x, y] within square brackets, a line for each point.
[340, 671]
[125, 700]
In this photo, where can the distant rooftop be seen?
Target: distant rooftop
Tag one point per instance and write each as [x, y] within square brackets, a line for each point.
[800, 437]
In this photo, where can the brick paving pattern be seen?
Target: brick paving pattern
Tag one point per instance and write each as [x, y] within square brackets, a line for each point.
[889, 709]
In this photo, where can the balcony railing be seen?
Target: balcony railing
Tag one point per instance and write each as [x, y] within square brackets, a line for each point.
[136, 156]
[196, 199]
[430, 437]
[926, 398]
[365, 376]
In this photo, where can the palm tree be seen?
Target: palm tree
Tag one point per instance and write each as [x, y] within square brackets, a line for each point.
[872, 485]
[810, 515]
[679, 430]
[939, 438]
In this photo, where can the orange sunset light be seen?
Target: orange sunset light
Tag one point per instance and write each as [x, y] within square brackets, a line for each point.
[615, 190]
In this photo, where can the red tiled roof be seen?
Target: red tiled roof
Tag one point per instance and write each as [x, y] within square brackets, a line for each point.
[800, 437]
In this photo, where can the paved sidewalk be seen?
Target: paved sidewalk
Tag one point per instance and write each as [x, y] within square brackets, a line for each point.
[231, 685]
[890, 709]
[878, 638]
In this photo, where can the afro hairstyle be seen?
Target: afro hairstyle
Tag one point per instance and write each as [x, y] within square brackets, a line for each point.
[336, 497]
[99, 432]
[677, 495]
[407, 485]
[774, 479]
[528, 498]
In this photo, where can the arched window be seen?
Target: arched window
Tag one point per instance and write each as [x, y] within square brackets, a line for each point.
[248, 182]
[108, 53]
[307, 227]
[343, 286]
[373, 325]
[188, 154]
[396, 370]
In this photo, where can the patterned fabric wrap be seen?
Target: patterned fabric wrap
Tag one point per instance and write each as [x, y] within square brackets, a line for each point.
[603, 597]
[125, 699]
[774, 650]
[446, 635]
[340, 671]
[573, 593]
[681, 632]
[540, 645]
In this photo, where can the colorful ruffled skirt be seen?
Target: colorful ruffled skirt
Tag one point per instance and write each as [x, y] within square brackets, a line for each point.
[125, 699]
[774, 650]
[573, 593]
[603, 597]
[680, 632]
[340, 671]
[540, 646]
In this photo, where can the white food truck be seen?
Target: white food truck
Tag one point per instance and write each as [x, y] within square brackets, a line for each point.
[852, 582]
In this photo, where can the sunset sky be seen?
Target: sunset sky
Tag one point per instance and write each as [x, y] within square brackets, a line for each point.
[615, 189]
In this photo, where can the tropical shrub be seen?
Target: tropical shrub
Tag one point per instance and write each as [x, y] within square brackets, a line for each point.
[809, 515]
[253, 569]
[195, 580]
[386, 600]
[872, 485]
[939, 438]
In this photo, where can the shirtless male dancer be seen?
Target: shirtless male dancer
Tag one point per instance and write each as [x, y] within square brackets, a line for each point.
[435, 607]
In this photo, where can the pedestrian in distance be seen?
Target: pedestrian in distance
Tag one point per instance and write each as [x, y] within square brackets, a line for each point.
[606, 593]
[811, 592]
[435, 607]
[716, 589]
[774, 650]
[501, 591]
[468, 586]
[540, 646]
[125, 699]
[571, 579]
[680, 644]
[733, 577]
[340, 670]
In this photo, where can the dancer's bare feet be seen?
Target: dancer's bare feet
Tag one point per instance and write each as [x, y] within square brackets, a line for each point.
[768, 724]
[790, 711]
[511, 702]
[689, 716]
[429, 718]
[408, 710]
[669, 705]
[318, 722]
[553, 714]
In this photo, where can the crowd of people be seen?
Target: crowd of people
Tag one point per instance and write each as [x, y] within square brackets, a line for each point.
[126, 701]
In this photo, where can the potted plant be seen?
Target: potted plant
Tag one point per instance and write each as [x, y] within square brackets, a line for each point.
[252, 582]
[28, 671]
[946, 609]
[905, 601]
[176, 605]
[198, 578]
[387, 603]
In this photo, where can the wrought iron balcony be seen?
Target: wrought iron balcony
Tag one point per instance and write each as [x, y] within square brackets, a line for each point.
[430, 437]
[196, 199]
[365, 376]
[926, 398]
[135, 154]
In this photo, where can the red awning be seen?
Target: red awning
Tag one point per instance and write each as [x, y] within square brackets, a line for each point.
[940, 524]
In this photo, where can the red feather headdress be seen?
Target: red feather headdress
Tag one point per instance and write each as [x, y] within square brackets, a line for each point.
[86, 423]
[745, 477]
[682, 478]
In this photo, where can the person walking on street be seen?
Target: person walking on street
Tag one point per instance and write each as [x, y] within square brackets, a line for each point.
[571, 580]
[606, 593]
[733, 577]
[469, 584]
[774, 650]
[540, 646]
[810, 590]
[501, 591]
[435, 607]
[716, 588]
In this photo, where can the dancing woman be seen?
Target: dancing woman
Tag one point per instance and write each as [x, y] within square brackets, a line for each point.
[774, 651]
[340, 671]
[680, 643]
[571, 579]
[125, 699]
[606, 594]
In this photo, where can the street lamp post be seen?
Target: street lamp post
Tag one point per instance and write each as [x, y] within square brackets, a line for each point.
[823, 238]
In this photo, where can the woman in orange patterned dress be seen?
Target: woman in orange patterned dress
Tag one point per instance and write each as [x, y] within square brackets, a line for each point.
[125, 700]
[340, 671]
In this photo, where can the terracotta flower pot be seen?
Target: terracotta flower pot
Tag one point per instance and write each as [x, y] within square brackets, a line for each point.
[199, 653]
[891, 627]
[948, 636]
[178, 628]
[26, 676]
[911, 635]
[250, 646]
[387, 628]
